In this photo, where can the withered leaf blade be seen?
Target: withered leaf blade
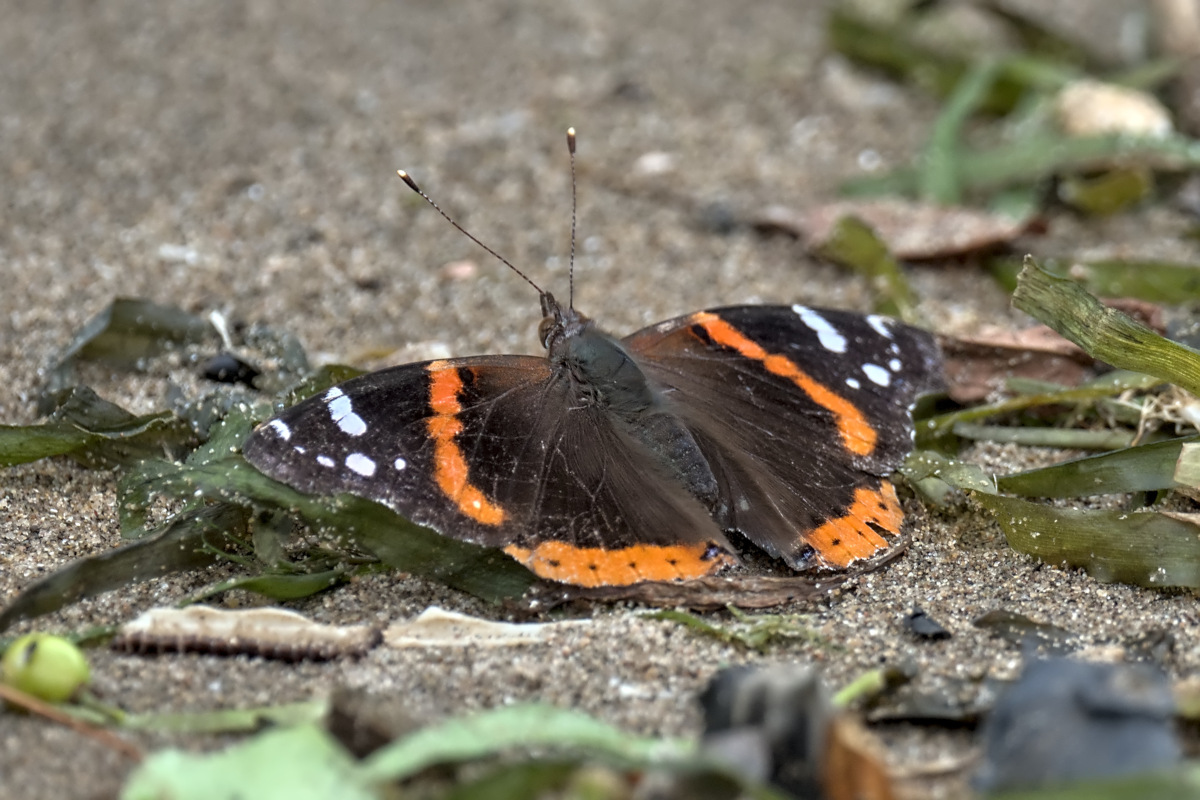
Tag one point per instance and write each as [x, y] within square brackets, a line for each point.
[912, 230]
[124, 333]
[977, 366]
[1106, 334]
[1023, 631]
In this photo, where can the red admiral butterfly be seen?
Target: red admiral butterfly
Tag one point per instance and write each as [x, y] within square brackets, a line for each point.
[614, 461]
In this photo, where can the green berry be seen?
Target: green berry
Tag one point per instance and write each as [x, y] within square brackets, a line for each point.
[48, 667]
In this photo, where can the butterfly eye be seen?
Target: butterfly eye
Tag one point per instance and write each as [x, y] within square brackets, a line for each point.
[546, 330]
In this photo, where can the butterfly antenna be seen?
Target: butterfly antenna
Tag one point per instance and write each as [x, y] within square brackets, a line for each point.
[571, 272]
[404, 176]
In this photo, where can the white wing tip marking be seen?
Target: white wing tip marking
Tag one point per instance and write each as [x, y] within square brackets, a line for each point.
[831, 339]
[880, 324]
[281, 429]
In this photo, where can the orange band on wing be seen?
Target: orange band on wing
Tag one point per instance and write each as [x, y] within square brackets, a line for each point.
[450, 466]
[857, 434]
[594, 566]
[852, 536]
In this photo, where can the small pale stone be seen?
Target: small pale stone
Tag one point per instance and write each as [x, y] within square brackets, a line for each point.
[1092, 108]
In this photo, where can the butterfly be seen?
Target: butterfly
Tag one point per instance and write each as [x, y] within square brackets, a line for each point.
[612, 461]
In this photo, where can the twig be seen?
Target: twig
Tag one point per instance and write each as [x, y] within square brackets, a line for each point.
[42, 708]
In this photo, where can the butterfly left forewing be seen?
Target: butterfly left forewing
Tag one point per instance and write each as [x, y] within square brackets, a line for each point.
[496, 451]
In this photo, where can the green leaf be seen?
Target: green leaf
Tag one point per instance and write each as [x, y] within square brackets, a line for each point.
[752, 631]
[501, 730]
[1104, 387]
[1145, 468]
[1154, 281]
[855, 245]
[1029, 436]
[1108, 193]
[484, 572]
[1144, 548]
[94, 432]
[522, 781]
[1187, 467]
[226, 720]
[938, 182]
[1039, 157]
[1104, 333]
[21, 444]
[890, 45]
[939, 479]
[296, 763]
[1181, 783]
[317, 382]
[278, 586]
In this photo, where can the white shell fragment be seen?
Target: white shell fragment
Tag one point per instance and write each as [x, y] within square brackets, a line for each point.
[266, 632]
[1092, 108]
[437, 627]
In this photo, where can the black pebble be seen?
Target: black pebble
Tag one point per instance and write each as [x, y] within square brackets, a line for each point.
[924, 626]
[228, 368]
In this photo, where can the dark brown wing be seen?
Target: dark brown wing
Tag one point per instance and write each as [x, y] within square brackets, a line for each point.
[802, 415]
[492, 450]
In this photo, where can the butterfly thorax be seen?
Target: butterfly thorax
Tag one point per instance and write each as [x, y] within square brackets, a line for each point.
[600, 370]
[604, 377]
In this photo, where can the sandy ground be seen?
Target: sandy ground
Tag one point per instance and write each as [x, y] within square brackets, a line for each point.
[241, 157]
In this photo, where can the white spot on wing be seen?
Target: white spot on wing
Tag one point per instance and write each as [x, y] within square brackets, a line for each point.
[360, 464]
[880, 324]
[341, 409]
[894, 365]
[325, 461]
[828, 335]
[877, 374]
[300, 449]
[853, 383]
[281, 429]
[352, 425]
[399, 463]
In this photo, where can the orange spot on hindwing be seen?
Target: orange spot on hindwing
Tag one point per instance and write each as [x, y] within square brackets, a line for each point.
[857, 433]
[852, 536]
[594, 566]
[451, 470]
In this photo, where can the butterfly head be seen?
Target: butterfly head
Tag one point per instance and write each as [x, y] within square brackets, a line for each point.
[558, 323]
